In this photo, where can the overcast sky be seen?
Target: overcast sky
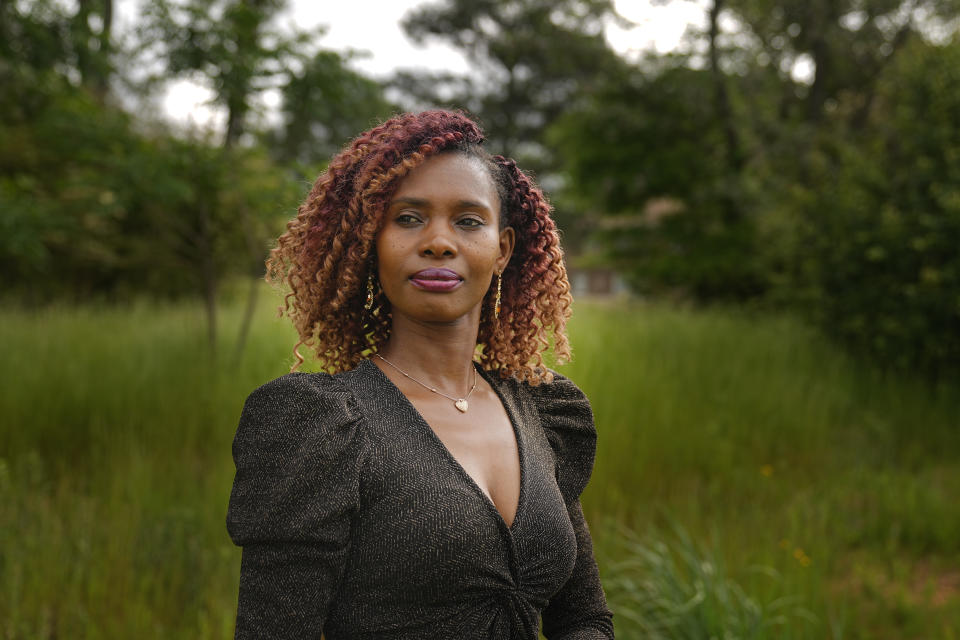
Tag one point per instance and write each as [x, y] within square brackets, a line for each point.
[373, 26]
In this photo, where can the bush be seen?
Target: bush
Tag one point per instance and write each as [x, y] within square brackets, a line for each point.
[648, 157]
[877, 258]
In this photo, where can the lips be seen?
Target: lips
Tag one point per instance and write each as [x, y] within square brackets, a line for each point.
[434, 279]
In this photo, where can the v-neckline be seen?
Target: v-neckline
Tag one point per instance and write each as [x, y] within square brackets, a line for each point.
[452, 459]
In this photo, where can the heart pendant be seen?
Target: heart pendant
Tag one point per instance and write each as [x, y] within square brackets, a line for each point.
[461, 405]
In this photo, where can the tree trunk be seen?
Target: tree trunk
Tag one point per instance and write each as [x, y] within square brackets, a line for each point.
[101, 85]
[510, 119]
[210, 304]
[234, 125]
[724, 111]
[824, 17]
[208, 277]
[81, 36]
[724, 114]
[256, 277]
[237, 103]
[248, 313]
[93, 62]
[859, 118]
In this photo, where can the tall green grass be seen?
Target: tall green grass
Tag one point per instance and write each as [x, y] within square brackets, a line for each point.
[116, 470]
[820, 493]
[760, 437]
[674, 588]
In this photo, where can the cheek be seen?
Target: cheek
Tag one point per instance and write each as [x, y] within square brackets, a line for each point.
[384, 261]
[487, 248]
[380, 243]
[388, 251]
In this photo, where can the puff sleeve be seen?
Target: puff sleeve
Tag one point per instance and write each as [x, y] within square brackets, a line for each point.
[578, 611]
[298, 451]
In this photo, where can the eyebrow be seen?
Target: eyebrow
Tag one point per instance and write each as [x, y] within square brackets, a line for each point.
[417, 202]
[421, 202]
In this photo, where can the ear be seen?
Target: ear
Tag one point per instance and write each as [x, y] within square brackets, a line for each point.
[507, 240]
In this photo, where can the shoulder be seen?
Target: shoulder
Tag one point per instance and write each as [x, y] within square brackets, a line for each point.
[299, 392]
[295, 414]
[567, 421]
[562, 399]
[298, 452]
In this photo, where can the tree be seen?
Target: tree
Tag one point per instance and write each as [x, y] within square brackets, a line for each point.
[847, 44]
[723, 137]
[234, 48]
[232, 45]
[93, 46]
[58, 144]
[879, 224]
[536, 57]
[229, 43]
[93, 208]
[323, 106]
[647, 158]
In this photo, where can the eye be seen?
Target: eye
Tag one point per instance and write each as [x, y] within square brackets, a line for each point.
[471, 222]
[407, 218]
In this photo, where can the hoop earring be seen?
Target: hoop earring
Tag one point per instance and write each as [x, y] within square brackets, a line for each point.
[496, 302]
[369, 302]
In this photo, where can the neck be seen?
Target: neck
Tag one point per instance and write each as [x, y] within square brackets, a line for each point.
[439, 355]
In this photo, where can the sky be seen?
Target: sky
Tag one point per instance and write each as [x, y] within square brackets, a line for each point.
[658, 28]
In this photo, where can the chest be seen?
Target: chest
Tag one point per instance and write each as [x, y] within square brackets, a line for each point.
[422, 513]
[482, 442]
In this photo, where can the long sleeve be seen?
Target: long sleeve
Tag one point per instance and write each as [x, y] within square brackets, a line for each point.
[298, 450]
[578, 611]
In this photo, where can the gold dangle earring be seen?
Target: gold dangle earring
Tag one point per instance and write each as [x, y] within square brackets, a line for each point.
[496, 302]
[369, 303]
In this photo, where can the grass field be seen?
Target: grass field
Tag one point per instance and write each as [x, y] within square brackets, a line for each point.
[751, 481]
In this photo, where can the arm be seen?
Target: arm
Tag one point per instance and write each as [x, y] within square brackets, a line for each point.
[579, 610]
[285, 590]
[297, 452]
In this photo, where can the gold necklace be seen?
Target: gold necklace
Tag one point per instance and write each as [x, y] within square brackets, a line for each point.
[459, 403]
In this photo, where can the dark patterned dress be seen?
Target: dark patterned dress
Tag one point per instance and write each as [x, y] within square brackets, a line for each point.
[357, 522]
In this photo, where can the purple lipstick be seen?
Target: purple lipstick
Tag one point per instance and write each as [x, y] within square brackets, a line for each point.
[437, 280]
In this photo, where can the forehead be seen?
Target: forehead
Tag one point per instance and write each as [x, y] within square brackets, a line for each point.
[450, 176]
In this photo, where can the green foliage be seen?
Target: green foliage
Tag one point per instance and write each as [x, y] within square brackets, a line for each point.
[42, 36]
[880, 222]
[848, 43]
[34, 38]
[228, 42]
[620, 151]
[739, 181]
[649, 150]
[324, 106]
[238, 53]
[94, 207]
[538, 57]
[113, 488]
[91, 208]
[64, 176]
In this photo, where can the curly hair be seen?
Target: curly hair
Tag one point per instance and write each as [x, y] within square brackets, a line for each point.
[328, 251]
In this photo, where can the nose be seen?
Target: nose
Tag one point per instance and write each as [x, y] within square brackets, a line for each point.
[438, 240]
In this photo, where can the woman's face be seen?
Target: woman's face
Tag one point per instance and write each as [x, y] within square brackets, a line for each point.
[441, 244]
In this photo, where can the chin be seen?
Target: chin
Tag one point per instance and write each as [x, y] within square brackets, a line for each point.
[442, 317]
[440, 314]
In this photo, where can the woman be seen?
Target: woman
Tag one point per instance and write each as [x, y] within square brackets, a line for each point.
[430, 487]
